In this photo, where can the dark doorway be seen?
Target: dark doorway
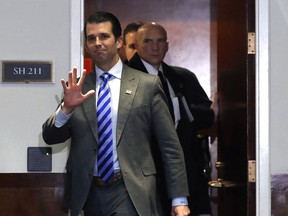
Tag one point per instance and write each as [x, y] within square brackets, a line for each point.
[210, 38]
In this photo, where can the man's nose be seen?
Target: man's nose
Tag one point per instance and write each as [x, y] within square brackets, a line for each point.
[155, 45]
[97, 41]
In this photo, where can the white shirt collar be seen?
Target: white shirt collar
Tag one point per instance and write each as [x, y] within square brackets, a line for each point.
[150, 68]
[116, 70]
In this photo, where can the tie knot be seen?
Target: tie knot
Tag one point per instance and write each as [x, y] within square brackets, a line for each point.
[105, 76]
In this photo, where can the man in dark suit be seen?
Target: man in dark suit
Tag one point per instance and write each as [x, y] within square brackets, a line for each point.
[137, 111]
[129, 35]
[189, 107]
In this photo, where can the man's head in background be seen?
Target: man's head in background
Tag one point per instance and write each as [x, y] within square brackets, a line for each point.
[129, 37]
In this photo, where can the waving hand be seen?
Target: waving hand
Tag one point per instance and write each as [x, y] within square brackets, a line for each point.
[73, 96]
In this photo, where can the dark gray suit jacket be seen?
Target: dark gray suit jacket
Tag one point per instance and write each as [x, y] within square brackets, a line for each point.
[141, 115]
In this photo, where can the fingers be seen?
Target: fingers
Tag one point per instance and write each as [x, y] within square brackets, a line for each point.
[180, 211]
[74, 76]
[82, 77]
[72, 79]
[89, 94]
[64, 85]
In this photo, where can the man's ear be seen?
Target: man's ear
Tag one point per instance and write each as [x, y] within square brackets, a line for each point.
[85, 46]
[167, 47]
[136, 45]
[119, 42]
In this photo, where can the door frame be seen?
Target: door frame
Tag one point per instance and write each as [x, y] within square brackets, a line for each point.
[76, 35]
[263, 191]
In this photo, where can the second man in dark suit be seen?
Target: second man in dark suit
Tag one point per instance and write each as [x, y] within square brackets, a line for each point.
[189, 108]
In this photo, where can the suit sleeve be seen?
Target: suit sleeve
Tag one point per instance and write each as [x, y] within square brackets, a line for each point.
[169, 145]
[53, 135]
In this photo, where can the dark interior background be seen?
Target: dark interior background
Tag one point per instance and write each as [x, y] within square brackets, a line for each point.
[188, 26]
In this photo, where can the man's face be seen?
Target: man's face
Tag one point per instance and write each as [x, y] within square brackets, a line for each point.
[130, 45]
[152, 45]
[102, 45]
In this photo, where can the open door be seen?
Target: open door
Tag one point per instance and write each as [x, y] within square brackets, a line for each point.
[235, 70]
[236, 98]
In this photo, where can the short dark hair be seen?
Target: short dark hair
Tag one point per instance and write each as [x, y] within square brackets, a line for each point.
[131, 27]
[103, 16]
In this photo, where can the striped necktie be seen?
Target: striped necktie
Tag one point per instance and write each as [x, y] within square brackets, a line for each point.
[104, 118]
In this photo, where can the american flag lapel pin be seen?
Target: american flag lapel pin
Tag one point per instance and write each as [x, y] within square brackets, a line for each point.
[128, 92]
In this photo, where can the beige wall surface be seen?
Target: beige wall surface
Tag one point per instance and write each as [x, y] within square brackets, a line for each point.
[278, 86]
[31, 31]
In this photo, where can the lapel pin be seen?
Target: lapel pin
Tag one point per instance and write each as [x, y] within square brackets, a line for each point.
[128, 92]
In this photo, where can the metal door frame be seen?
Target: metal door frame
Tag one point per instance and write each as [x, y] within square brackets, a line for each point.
[263, 191]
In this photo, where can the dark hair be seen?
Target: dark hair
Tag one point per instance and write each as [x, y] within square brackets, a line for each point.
[131, 27]
[102, 16]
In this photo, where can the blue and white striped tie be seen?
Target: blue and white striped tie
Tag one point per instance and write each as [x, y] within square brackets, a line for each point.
[105, 139]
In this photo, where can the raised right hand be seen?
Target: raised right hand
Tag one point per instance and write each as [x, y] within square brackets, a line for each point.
[73, 96]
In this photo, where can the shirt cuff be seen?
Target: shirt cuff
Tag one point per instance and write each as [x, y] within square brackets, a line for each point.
[61, 118]
[179, 201]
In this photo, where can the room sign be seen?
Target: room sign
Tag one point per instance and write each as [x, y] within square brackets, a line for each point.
[26, 71]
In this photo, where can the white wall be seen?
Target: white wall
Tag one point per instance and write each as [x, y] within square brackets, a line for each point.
[279, 86]
[33, 30]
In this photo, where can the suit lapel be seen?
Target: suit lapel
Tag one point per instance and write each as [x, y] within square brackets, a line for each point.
[129, 84]
[135, 62]
[176, 84]
[89, 106]
[172, 77]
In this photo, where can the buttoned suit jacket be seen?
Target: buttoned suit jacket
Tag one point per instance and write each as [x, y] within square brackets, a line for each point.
[185, 84]
[142, 113]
